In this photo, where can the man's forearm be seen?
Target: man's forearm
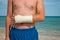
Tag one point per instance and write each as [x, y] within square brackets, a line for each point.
[7, 26]
[38, 18]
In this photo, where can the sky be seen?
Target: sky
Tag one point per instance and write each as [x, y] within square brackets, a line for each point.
[51, 7]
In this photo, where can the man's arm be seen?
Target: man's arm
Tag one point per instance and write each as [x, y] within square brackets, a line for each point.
[40, 12]
[8, 20]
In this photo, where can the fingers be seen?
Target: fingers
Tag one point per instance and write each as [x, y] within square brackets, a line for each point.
[12, 20]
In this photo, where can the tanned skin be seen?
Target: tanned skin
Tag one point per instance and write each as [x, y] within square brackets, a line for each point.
[24, 7]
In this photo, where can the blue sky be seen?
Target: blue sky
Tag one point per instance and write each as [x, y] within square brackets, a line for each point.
[52, 7]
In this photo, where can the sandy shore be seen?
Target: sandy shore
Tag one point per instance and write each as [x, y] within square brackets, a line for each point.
[2, 34]
[42, 36]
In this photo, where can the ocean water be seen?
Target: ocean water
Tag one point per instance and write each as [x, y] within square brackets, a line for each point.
[50, 23]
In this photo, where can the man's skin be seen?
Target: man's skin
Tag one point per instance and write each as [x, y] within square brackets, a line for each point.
[24, 7]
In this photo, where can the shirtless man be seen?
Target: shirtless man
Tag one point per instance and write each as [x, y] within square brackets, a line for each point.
[23, 30]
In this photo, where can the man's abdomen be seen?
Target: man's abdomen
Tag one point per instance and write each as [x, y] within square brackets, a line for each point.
[27, 7]
[24, 12]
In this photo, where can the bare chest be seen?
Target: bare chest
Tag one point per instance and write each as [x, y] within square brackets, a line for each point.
[24, 2]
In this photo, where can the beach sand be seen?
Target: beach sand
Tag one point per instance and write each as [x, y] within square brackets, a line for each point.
[42, 36]
[2, 34]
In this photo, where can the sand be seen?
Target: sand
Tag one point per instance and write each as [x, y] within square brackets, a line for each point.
[42, 35]
[2, 34]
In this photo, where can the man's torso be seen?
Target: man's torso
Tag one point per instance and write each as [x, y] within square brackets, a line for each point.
[24, 7]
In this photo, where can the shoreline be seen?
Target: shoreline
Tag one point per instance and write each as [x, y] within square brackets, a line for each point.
[42, 31]
[49, 31]
[42, 35]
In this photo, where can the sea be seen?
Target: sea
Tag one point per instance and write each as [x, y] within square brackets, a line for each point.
[50, 23]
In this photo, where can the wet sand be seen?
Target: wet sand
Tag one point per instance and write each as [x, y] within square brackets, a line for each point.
[42, 35]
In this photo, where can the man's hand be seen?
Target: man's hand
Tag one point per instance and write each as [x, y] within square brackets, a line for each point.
[7, 38]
